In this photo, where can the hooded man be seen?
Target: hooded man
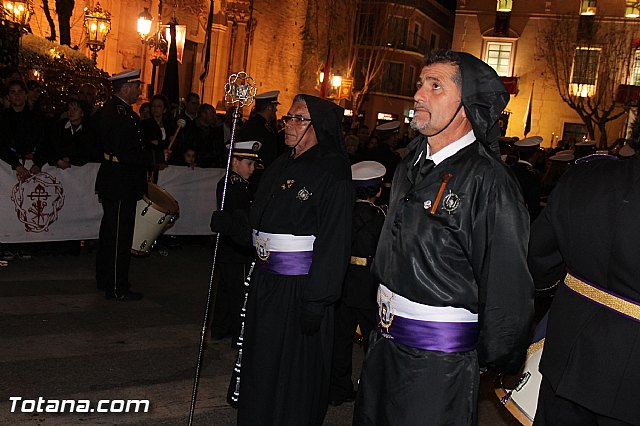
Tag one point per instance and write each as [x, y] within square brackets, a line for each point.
[300, 227]
[455, 293]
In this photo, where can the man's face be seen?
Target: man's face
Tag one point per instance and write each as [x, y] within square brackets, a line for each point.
[244, 167]
[295, 130]
[17, 96]
[192, 106]
[273, 109]
[132, 92]
[436, 99]
[87, 93]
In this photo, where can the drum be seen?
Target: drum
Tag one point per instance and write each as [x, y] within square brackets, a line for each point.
[156, 212]
[522, 400]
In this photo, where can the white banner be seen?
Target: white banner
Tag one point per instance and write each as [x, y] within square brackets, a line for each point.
[58, 205]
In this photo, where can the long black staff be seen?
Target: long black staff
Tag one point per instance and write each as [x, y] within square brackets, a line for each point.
[240, 91]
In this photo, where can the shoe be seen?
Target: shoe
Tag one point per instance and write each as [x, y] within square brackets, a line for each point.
[335, 402]
[219, 335]
[126, 296]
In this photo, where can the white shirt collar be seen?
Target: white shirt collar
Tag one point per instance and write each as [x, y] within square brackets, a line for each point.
[451, 149]
[70, 126]
[525, 162]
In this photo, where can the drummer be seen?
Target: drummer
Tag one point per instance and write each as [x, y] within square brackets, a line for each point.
[121, 182]
[234, 260]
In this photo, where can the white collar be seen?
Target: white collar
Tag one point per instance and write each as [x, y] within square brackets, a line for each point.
[525, 162]
[70, 126]
[451, 149]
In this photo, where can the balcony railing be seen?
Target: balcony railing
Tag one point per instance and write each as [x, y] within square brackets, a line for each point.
[412, 43]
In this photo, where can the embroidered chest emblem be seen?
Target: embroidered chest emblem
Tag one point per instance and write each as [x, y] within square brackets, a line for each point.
[451, 202]
[262, 248]
[288, 184]
[304, 194]
[427, 204]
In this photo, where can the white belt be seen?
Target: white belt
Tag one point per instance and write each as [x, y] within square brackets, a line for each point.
[405, 308]
[283, 242]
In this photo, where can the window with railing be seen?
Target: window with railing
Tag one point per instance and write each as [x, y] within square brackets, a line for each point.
[417, 34]
[433, 41]
[391, 79]
[397, 29]
[499, 56]
[584, 74]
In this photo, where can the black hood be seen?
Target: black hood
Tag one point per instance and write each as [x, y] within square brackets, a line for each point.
[484, 97]
[327, 123]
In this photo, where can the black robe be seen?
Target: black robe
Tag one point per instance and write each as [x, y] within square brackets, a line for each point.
[590, 226]
[473, 257]
[285, 374]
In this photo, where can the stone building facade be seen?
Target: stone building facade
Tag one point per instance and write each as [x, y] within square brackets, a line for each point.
[513, 41]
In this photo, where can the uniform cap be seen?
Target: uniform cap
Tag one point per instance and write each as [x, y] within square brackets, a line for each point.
[367, 173]
[268, 97]
[529, 142]
[247, 150]
[131, 76]
[626, 151]
[389, 126]
[563, 156]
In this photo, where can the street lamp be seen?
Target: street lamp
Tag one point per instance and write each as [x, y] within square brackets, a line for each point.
[144, 23]
[18, 11]
[97, 24]
[181, 36]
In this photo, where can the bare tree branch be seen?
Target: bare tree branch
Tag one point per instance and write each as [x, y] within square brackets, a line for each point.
[589, 57]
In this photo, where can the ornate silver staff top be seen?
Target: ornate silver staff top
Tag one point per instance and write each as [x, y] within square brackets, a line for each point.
[240, 90]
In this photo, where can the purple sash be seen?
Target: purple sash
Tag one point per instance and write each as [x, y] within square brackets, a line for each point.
[432, 335]
[287, 263]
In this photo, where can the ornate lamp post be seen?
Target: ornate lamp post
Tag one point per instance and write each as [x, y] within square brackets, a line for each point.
[18, 11]
[156, 41]
[97, 24]
[181, 35]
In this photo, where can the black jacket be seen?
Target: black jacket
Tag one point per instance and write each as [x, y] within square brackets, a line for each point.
[360, 286]
[238, 199]
[590, 227]
[121, 138]
[23, 135]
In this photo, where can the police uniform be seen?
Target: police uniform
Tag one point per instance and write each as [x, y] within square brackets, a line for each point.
[120, 183]
[384, 155]
[587, 237]
[258, 129]
[528, 177]
[358, 303]
[233, 259]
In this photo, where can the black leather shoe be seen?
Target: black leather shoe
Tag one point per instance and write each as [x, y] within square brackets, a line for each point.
[126, 296]
[335, 402]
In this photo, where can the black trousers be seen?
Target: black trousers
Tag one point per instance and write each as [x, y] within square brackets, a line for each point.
[346, 320]
[114, 251]
[554, 410]
[229, 299]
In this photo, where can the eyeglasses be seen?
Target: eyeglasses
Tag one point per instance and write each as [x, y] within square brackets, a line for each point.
[297, 119]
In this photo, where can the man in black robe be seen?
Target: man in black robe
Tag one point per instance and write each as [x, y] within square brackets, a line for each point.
[300, 226]
[455, 293]
[587, 237]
